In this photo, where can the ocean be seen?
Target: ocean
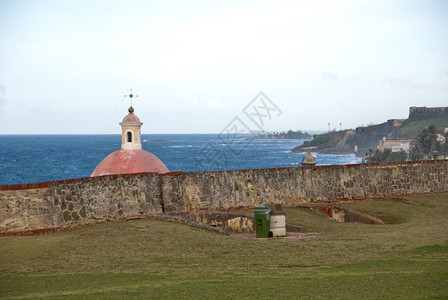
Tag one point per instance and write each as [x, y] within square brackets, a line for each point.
[39, 158]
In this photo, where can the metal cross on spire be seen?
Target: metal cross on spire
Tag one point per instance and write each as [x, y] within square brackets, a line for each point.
[131, 96]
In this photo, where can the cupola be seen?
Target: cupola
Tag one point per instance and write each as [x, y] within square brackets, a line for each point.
[130, 158]
[130, 131]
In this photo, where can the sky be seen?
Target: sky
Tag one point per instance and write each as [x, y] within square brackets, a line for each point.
[197, 66]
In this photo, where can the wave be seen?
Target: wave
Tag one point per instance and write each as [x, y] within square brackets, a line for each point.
[179, 146]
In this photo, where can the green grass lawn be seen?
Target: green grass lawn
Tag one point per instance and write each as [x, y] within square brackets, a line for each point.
[406, 258]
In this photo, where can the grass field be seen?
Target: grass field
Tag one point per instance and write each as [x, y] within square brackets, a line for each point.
[407, 259]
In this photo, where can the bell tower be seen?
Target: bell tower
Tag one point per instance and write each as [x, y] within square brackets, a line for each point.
[130, 131]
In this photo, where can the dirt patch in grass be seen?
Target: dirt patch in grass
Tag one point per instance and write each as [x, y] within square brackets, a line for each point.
[403, 200]
[386, 217]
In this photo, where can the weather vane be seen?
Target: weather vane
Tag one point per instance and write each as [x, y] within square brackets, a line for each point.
[131, 96]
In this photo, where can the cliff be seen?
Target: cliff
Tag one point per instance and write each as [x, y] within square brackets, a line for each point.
[365, 138]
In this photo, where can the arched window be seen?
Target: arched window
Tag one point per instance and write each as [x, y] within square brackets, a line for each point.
[129, 137]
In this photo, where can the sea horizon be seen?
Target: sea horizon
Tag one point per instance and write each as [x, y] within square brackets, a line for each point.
[31, 158]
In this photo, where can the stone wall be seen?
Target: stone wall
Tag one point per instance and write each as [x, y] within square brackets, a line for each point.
[291, 186]
[62, 203]
[423, 113]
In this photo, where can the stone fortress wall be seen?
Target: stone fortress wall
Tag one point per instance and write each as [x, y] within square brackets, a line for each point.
[423, 113]
[64, 203]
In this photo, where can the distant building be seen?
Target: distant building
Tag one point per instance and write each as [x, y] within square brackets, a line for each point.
[442, 137]
[395, 145]
[424, 113]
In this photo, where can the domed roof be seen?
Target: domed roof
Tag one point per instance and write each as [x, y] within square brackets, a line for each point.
[131, 118]
[128, 162]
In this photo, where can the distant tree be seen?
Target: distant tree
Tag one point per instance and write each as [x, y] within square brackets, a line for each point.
[416, 152]
[426, 144]
[377, 155]
[385, 156]
[290, 134]
[397, 156]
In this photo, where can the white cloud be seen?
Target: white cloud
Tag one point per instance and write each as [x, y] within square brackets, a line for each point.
[331, 75]
[194, 103]
[2, 93]
[402, 81]
[213, 103]
[269, 35]
[203, 105]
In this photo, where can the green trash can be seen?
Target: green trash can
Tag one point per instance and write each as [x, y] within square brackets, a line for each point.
[262, 221]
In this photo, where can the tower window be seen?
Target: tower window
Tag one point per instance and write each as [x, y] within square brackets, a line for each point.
[129, 137]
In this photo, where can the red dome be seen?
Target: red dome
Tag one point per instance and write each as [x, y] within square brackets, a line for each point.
[128, 162]
[131, 118]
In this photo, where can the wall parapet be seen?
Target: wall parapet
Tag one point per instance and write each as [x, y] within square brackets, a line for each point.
[75, 201]
[423, 113]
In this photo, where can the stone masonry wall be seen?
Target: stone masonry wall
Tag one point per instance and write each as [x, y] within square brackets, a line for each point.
[62, 203]
[423, 113]
[291, 186]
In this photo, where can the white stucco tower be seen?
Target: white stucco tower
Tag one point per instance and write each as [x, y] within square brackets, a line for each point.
[130, 131]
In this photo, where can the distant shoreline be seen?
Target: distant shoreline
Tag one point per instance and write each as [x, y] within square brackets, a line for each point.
[315, 149]
[277, 139]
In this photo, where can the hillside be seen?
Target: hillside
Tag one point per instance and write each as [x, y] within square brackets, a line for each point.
[366, 138]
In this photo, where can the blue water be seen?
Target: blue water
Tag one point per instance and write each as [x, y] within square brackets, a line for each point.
[38, 158]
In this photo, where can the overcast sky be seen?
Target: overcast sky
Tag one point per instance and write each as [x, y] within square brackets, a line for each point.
[65, 66]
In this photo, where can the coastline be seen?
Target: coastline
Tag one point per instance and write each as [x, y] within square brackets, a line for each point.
[276, 139]
[316, 149]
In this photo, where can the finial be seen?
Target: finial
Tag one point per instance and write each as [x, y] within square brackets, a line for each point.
[130, 109]
[130, 97]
